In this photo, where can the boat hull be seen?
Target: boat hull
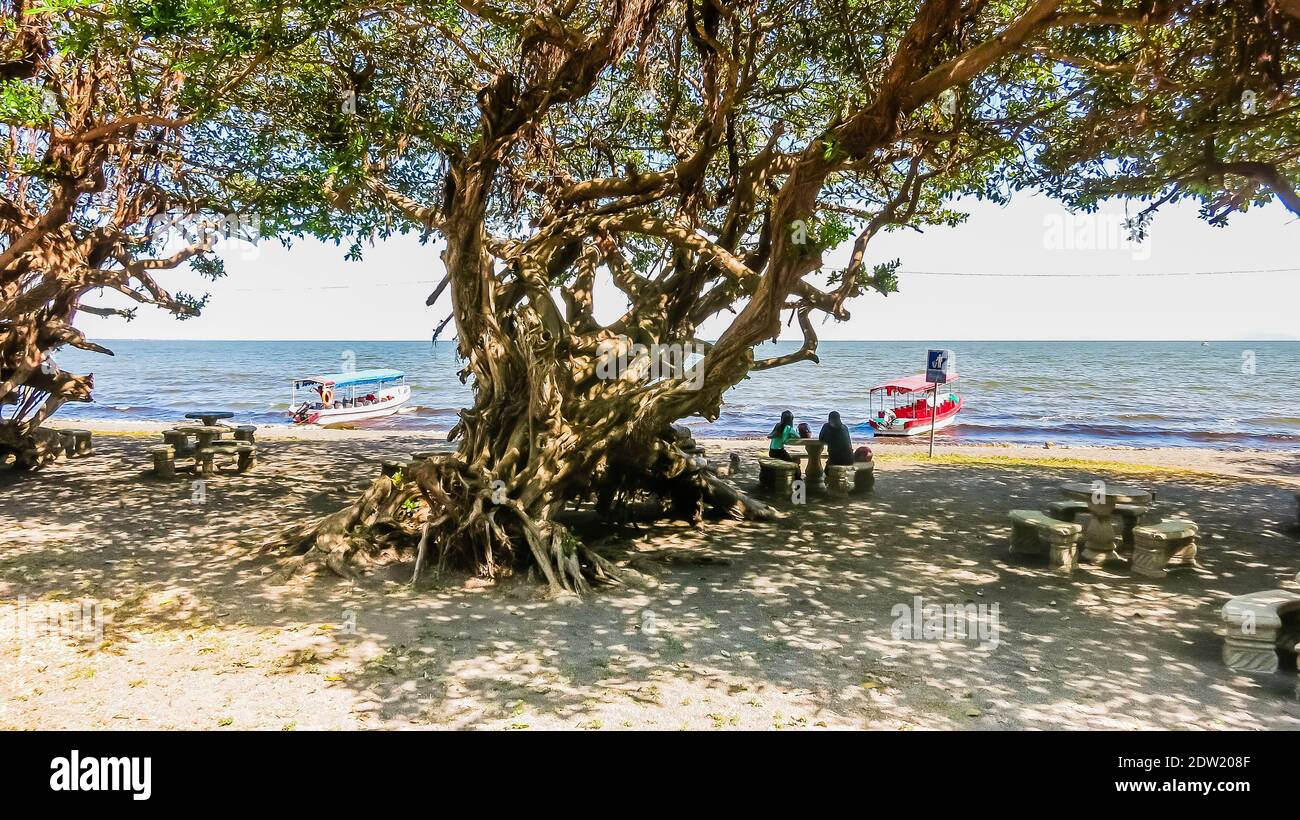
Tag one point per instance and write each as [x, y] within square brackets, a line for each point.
[903, 428]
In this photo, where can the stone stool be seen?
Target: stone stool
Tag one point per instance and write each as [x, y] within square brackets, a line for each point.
[164, 461]
[75, 442]
[1066, 510]
[864, 476]
[838, 481]
[776, 476]
[245, 433]
[204, 461]
[1155, 546]
[1297, 678]
[1031, 530]
[1258, 627]
[178, 440]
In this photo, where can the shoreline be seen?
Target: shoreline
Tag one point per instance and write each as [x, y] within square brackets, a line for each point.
[1278, 466]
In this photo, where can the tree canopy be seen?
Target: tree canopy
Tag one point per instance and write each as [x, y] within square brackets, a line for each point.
[703, 155]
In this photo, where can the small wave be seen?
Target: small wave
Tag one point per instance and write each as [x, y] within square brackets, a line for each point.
[1114, 433]
[1283, 421]
[420, 410]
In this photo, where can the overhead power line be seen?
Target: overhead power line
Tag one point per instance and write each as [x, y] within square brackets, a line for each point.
[982, 274]
[1122, 275]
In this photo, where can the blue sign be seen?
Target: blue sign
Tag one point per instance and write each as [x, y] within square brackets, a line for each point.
[939, 366]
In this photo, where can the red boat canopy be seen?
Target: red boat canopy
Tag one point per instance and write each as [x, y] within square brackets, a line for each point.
[909, 384]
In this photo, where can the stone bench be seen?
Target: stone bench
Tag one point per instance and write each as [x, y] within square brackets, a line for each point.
[178, 440]
[245, 457]
[243, 453]
[1031, 530]
[1066, 510]
[75, 442]
[776, 476]
[1258, 628]
[164, 461]
[1156, 546]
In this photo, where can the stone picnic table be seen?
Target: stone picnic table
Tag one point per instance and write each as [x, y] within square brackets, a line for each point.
[203, 434]
[1101, 498]
[209, 417]
[814, 476]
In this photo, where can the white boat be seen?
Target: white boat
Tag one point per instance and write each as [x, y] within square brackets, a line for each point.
[346, 397]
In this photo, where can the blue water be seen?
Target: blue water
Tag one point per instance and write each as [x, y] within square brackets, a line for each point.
[1131, 393]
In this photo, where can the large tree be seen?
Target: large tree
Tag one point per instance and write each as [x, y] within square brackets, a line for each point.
[703, 155]
[107, 114]
[1207, 109]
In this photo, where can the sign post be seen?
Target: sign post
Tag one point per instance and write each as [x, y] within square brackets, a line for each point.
[939, 365]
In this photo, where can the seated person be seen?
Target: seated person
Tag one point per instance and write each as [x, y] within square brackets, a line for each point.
[782, 434]
[839, 445]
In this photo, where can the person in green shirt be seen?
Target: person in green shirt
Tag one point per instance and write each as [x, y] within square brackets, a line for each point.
[782, 434]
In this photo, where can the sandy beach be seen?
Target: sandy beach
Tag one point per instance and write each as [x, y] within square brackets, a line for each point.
[784, 624]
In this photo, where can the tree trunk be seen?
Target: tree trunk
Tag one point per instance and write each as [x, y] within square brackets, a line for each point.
[494, 506]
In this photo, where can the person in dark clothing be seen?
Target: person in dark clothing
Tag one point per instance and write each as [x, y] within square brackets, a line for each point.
[839, 445]
[783, 433]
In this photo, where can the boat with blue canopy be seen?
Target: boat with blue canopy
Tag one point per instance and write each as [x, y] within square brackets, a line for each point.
[345, 397]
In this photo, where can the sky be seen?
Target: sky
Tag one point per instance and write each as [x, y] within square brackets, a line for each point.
[1101, 286]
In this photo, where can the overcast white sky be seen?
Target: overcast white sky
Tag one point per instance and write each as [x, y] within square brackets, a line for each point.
[310, 292]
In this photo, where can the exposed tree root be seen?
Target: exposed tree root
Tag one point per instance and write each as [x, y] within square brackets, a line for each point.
[333, 542]
[32, 450]
[464, 517]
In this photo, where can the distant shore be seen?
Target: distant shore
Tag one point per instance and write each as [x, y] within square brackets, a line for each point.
[1282, 467]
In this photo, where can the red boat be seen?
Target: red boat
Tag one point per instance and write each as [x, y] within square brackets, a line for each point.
[905, 406]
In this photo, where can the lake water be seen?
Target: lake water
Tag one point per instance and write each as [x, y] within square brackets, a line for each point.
[1224, 395]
